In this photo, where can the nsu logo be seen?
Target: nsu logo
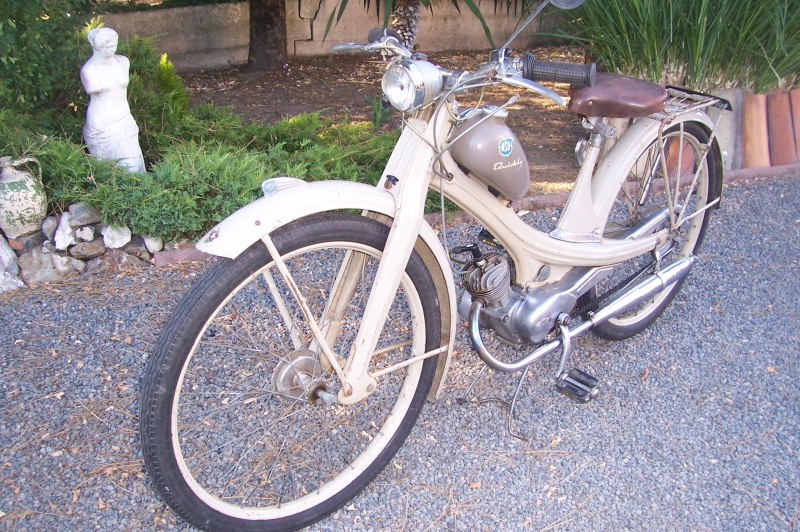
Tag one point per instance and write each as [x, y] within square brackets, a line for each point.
[506, 145]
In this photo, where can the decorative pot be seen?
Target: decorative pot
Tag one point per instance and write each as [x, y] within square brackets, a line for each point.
[23, 203]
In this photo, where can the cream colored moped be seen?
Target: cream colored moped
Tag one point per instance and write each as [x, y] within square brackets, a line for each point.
[293, 370]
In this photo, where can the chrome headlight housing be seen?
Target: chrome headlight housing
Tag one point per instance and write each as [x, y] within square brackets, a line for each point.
[409, 84]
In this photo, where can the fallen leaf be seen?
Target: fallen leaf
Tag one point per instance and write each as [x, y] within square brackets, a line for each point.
[771, 369]
[351, 508]
[475, 485]
[556, 441]
[59, 395]
[128, 340]
[646, 373]
[75, 494]
[396, 465]
[100, 504]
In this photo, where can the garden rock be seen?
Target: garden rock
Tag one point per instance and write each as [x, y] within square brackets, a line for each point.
[49, 226]
[115, 236]
[85, 234]
[65, 234]
[8, 259]
[153, 243]
[81, 214]
[115, 260]
[36, 266]
[138, 249]
[9, 270]
[88, 250]
[9, 282]
[26, 243]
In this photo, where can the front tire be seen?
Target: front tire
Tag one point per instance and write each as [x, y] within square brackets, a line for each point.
[233, 434]
[683, 149]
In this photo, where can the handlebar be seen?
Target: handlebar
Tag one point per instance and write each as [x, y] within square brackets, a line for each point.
[540, 70]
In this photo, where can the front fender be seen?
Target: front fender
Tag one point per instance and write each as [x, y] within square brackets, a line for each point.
[292, 199]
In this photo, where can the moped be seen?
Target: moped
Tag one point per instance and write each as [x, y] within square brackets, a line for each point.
[292, 371]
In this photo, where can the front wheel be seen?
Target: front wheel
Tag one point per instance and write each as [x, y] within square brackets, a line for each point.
[661, 178]
[236, 430]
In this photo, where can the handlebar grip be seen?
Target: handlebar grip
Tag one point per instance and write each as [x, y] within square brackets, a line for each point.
[540, 70]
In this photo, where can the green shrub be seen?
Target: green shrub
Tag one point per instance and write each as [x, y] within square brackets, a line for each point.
[34, 35]
[700, 43]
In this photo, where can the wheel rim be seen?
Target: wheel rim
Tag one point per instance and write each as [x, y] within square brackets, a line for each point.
[252, 454]
[682, 160]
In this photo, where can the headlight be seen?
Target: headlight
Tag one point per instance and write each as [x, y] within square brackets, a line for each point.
[409, 85]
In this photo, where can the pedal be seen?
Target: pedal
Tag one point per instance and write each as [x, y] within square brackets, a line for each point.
[578, 385]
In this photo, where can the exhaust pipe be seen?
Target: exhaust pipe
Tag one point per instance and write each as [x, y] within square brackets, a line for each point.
[639, 293]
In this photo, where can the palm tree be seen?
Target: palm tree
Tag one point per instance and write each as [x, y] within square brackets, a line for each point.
[403, 15]
[405, 20]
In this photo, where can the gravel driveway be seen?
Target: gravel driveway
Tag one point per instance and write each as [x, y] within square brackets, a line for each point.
[697, 426]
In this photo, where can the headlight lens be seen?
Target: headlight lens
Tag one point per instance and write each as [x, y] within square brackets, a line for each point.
[409, 85]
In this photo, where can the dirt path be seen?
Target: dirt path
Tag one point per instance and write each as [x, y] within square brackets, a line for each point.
[343, 86]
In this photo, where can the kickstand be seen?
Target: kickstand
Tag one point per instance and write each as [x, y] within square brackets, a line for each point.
[462, 400]
[511, 430]
[465, 397]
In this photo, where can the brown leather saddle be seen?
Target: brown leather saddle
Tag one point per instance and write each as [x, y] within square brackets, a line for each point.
[616, 96]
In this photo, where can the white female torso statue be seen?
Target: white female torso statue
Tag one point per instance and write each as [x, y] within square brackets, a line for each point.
[110, 131]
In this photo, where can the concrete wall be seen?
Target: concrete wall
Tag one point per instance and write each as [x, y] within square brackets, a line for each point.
[194, 38]
[217, 36]
[445, 29]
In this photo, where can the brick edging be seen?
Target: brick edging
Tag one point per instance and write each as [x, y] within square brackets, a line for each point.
[163, 258]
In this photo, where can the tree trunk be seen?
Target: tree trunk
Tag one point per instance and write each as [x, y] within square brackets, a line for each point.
[267, 35]
[405, 19]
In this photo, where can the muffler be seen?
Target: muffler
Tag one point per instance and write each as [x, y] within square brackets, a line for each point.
[637, 294]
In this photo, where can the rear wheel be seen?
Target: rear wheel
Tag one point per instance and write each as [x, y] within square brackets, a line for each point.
[236, 433]
[643, 193]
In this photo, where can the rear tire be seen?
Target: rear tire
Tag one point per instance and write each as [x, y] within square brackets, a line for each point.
[230, 436]
[687, 239]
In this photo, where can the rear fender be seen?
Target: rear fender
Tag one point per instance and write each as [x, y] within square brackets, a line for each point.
[288, 199]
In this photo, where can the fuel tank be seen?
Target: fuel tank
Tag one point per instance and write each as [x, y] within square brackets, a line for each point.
[491, 153]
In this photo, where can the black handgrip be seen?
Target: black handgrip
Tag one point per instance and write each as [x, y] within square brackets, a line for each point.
[573, 73]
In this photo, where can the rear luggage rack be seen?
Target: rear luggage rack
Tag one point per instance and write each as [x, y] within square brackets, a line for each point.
[681, 101]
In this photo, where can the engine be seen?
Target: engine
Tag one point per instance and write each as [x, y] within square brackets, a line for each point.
[516, 314]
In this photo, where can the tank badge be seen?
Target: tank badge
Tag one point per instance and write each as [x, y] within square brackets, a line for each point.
[506, 145]
[502, 166]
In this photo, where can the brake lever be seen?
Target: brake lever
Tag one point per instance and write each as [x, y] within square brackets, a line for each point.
[386, 43]
[349, 47]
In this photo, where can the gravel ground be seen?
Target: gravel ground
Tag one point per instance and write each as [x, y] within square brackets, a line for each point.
[697, 426]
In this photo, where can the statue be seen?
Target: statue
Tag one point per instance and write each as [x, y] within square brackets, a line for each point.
[110, 131]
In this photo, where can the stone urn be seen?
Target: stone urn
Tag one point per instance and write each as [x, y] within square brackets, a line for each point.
[23, 203]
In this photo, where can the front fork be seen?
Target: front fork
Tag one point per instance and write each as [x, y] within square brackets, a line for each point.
[406, 176]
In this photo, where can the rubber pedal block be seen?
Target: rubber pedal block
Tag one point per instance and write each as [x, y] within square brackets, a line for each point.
[573, 391]
[582, 377]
